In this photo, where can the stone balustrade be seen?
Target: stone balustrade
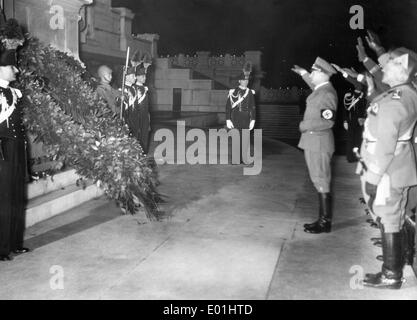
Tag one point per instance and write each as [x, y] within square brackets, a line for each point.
[220, 68]
[282, 95]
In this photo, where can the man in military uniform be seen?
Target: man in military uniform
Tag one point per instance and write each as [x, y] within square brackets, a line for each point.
[129, 98]
[12, 152]
[354, 115]
[317, 138]
[141, 108]
[241, 111]
[106, 91]
[388, 164]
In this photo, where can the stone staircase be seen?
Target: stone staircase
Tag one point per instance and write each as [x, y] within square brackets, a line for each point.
[54, 195]
[199, 94]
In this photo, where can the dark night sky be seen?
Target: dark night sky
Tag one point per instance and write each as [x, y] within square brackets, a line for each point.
[286, 31]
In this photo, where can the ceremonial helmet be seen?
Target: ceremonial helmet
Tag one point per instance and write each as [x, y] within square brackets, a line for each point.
[245, 73]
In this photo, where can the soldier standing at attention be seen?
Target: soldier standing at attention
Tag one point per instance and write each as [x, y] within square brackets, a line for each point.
[142, 108]
[317, 138]
[388, 166]
[12, 149]
[241, 111]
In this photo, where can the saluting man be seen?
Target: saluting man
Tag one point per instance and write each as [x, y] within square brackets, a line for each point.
[317, 138]
[12, 149]
[241, 110]
[388, 165]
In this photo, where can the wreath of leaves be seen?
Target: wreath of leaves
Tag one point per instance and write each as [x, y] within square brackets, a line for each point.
[62, 110]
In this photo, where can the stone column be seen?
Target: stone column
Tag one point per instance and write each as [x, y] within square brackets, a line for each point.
[126, 17]
[153, 38]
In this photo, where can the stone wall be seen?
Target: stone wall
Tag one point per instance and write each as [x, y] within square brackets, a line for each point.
[53, 22]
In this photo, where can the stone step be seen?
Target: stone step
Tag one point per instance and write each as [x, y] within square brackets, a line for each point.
[52, 183]
[183, 84]
[53, 203]
[173, 74]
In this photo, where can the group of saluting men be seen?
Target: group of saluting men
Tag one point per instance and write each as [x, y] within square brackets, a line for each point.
[386, 156]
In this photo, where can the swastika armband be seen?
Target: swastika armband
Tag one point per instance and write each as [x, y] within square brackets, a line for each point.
[327, 114]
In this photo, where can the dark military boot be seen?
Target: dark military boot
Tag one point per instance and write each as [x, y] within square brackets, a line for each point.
[408, 236]
[324, 223]
[315, 223]
[391, 274]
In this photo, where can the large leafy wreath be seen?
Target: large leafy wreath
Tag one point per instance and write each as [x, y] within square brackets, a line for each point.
[62, 110]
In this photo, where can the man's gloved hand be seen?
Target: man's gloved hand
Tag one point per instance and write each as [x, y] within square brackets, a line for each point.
[251, 124]
[370, 190]
[229, 124]
[351, 72]
[298, 70]
[361, 50]
[374, 43]
[345, 125]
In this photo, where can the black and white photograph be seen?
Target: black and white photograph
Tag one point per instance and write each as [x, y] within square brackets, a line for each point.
[208, 154]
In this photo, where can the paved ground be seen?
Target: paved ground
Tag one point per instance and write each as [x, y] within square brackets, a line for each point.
[230, 237]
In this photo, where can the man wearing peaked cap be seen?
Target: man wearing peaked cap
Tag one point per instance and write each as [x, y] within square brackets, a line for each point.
[389, 166]
[323, 66]
[12, 147]
[241, 112]
[317, 139]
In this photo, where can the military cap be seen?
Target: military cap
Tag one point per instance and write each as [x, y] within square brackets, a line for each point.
[322, 65]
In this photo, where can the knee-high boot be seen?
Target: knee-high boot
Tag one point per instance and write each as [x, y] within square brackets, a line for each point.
[391, 273]
[324, 222]
[408, 237]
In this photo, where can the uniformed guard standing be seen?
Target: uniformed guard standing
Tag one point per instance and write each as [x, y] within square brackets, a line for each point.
[129, 101]
[241, 111]
[12, 149]
[141, 108]
[317, 138]
[388, 164]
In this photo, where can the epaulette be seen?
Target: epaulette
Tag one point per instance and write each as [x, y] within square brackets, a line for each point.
[396, 95]
[231, 91]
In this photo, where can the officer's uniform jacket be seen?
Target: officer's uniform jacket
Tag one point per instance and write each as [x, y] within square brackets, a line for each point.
[318, 120]
[240, 107]
[11, 113]
[387, 147]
